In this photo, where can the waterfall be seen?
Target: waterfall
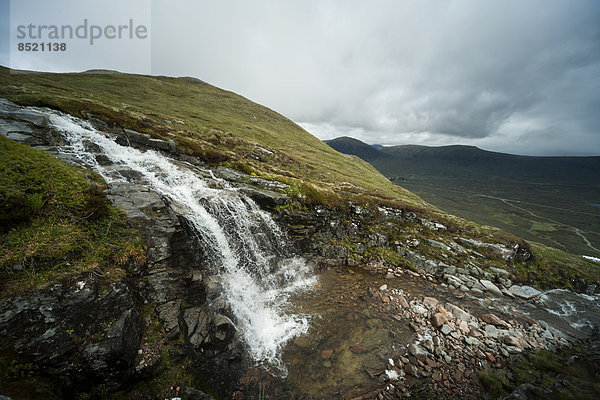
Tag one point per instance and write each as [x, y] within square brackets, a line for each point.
[247, 250]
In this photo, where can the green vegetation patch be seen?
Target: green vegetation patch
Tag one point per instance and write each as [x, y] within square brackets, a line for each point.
[569, 373]
[551, 268]
[215, 125]
[56, 222]
[495, 384]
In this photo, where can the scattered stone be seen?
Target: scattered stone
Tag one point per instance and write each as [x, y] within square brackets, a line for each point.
[417, 351]
[430, 301]
[458, 312]
[402, 302]
[358, 348]
[494, 320]
[438, 319]
[411, 370]
[431, 363]
[491, 331]
[419, 309]
[490, 287]
[445, 329]
[513, 341]
[464, 327]
[513, 350]
[326, 354]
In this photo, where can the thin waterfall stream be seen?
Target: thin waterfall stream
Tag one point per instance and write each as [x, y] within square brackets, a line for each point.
[246, 249]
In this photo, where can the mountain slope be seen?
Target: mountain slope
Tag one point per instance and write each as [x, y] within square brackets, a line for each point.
[546, 199]
[476, 162]
[348, 145]
[213, 124]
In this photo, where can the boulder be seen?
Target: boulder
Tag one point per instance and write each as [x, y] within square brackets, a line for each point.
[458, 312]
[438, 319]
[419, 352]
[207, 329]
[265, 198]
[490, 287]
[494, 320]
[524, 292]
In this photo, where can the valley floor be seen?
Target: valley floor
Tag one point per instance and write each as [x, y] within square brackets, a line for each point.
[560, 217]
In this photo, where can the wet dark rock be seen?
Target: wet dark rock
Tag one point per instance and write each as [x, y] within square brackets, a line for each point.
[522, 392]
[77, 334]
[168, 315]
[358, 348]
[37, 119]
[204, 328]
[195, 394]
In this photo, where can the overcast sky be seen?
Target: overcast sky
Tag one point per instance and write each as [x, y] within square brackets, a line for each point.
[514, 76]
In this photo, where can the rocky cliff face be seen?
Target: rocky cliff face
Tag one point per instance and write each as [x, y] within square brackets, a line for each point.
[164, 330]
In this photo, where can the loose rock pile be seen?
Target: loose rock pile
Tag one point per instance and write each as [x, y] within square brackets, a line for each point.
[452, 345]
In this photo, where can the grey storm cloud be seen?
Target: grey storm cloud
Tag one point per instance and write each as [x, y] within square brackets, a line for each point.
[519, 76]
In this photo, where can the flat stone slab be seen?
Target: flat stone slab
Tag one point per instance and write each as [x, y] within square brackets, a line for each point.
[524, 292]
[489, 286]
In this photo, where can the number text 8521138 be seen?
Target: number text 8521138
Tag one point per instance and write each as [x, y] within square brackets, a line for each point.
[42, 46]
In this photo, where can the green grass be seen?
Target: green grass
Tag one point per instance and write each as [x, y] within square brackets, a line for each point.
[56, 222]
[552, 268]
[495, 384]
[546, 368]
[218, 126]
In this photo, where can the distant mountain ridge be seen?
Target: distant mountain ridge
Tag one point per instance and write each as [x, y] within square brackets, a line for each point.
[348, 145]
[545, 199]
[470, 161]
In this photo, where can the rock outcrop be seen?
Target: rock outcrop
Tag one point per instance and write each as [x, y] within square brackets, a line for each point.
[79, 334]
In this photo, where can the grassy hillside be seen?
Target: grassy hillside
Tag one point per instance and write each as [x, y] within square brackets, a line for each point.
[218, 126]
[538, 198]
[56, 222]
[223, 128]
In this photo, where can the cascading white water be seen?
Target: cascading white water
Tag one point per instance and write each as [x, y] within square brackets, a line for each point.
[248, 250]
